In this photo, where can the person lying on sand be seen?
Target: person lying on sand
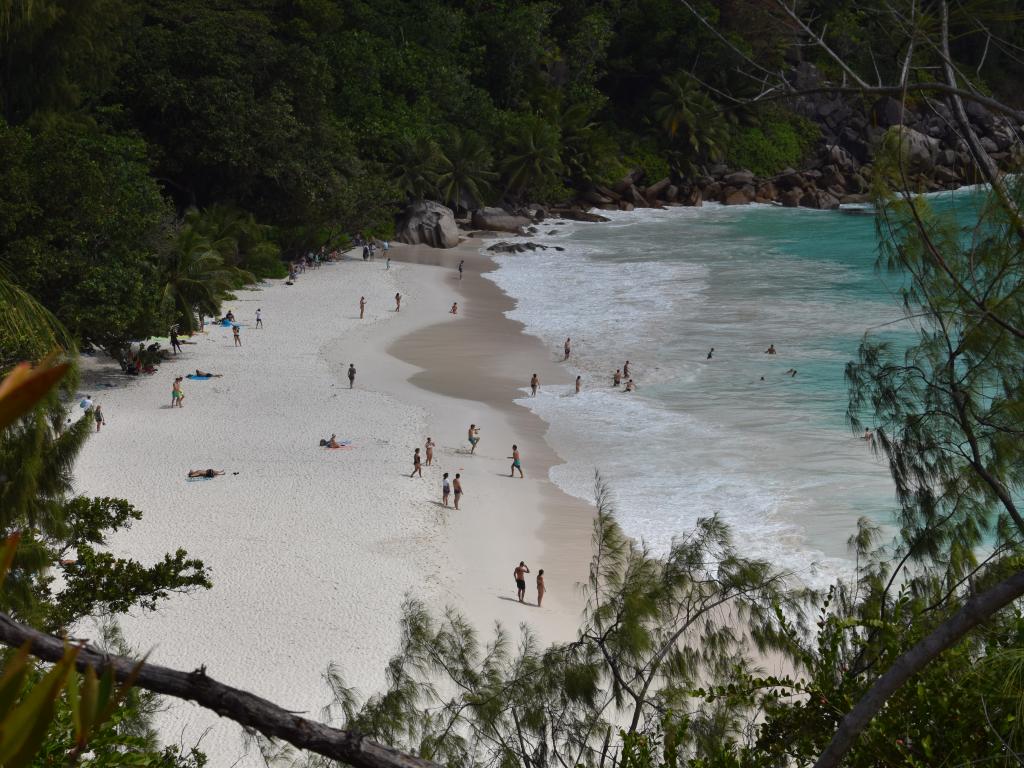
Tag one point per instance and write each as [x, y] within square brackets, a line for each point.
[207, 374]
[204, 472]
[333, 442]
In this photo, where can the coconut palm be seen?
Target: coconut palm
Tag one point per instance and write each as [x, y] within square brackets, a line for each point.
[415, 166]
[690, 121]
[28, 331]
[195, 279]
[464, 172]
[533, 157]
[579, 131]
[239, 238]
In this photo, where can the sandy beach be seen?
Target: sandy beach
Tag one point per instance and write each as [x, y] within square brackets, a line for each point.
[311, 551]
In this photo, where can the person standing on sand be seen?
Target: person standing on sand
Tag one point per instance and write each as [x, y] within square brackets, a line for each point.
[516, 463]
[362, 306]
[567, 350]
[175, 344]
[416, 468]
[430, 451]
[616, 378]
[474, 437]
[457, 487]
[351, 375]
[625, 370]
[98, 415]
[259, 318]
[461, 263]
[445, 489]
[398, 302]
[534, 385]
[579, 384]
[387, 265]
[455, 308]
[234, 332]
[520, 576]
[540, 587]
[177, 395]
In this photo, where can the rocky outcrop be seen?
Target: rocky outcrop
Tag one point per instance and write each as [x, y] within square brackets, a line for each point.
[499, 220]
[504, 247]
[427, 223]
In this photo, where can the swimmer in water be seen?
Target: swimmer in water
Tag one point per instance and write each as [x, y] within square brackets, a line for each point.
[711, 352]
[791, 372]
[770, 350]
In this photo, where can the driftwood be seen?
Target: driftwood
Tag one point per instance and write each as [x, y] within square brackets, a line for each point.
[241, 706]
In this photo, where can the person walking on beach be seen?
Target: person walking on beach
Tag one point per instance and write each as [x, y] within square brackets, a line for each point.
[416, 468]
[625, 370]
[474, 437]
[520, 576]
[446, 489]
[616, 378]
[461, 263]
[175, 343]
[534, 385]
[351, 375]
[579, 384]
[86, 403]
[516, 463]
[540, 587]
[362, 306]
[259, 318]
[98, 415]
[567, 350]
[770, 350]
[430, 451]
[234, 332]
[398, 302]
[455, 308]
[457, 487]
[387, 264]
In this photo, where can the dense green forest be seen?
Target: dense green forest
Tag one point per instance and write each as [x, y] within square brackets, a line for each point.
[154, 154]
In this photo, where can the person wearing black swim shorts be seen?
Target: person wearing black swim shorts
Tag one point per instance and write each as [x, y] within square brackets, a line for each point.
[520, 575]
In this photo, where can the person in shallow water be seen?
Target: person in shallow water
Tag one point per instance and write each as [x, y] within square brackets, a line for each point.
[616, 378]
[711, 352]
[770, 350]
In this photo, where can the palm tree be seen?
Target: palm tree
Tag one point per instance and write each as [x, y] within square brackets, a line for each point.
[690, 119]
[28, 331]
[579, 130]
[534, 156]
[465, 175]
[415, 165]
[196, 278]
[238, 237]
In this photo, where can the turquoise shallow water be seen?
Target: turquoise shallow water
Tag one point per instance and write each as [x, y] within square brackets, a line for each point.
[774, 458]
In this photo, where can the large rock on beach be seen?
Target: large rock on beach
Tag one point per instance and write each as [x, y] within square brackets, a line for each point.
[428, 223]
[919, 151]
[498, 220]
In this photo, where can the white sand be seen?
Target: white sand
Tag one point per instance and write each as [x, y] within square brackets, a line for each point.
[311, 550]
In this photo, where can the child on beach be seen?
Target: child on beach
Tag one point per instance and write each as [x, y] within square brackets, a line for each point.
[177, 395]
[98, 415]
[516, 464]
[455, 308]
[474, 437]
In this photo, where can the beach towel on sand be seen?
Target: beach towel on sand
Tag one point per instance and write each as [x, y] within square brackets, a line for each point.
[198, 378]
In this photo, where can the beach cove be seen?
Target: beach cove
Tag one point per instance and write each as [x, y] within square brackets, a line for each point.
[311, 550]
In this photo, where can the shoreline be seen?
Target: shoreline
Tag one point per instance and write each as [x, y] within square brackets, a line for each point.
[312, 552]
[559, 523]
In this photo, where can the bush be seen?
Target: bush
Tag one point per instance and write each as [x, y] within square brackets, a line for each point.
[780, 141]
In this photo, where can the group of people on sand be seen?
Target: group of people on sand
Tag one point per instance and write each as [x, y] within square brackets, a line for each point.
[519, 574]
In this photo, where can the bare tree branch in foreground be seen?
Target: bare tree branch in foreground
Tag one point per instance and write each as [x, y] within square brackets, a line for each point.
[948, 633]
[241, 706]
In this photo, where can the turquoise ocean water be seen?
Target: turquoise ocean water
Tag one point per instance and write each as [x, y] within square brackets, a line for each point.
[774, 458]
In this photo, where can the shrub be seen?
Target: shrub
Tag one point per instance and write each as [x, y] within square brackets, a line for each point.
[781, 141]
